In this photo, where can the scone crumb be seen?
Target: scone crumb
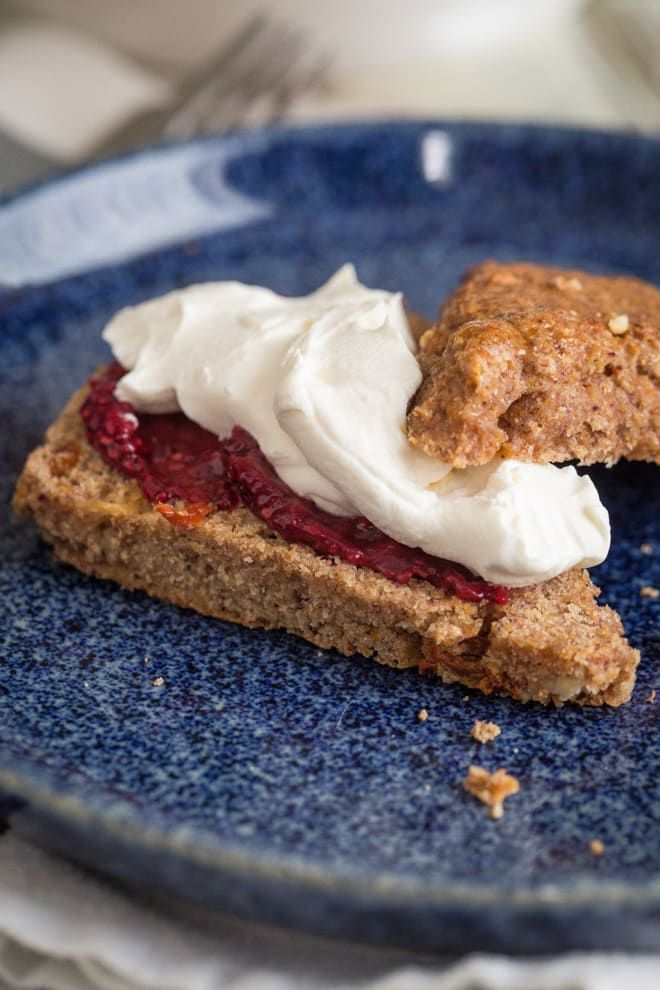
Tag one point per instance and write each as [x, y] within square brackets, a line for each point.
[596, 847]
[651, 697]
[491, 788]
[485, 732]
[158, 681]
[649, 592]
[422, 715]
[619, 324]
[646, 548]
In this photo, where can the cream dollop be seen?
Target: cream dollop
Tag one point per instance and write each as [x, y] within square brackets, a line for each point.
[322, 382]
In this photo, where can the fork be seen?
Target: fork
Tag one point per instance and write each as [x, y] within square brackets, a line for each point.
[251, 81]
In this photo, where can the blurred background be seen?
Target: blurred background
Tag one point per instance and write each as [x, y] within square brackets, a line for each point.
[83, 78]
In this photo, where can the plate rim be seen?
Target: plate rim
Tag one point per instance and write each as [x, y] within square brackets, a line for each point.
[283, 131]
[229, 859]
[48, 796]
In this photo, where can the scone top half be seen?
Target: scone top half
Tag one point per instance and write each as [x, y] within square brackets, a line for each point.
[541, 364]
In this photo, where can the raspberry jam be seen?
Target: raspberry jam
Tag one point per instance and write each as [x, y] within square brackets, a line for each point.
[171, 458]
[176, 461]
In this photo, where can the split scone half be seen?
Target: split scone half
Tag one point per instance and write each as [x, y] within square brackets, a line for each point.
[547, 641]
[551, 642]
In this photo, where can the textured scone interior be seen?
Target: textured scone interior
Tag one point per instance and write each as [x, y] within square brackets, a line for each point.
[543, 365]
[551, 643]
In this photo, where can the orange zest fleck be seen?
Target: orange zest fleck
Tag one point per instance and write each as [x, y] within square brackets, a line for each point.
[186, 516]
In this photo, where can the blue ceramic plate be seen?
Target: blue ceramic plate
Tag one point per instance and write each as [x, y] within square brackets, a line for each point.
[266, 777]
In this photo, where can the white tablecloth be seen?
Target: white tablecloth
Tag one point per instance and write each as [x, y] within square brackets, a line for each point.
[62, 929]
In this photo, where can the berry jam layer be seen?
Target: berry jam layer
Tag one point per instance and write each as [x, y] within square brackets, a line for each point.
[187, 473]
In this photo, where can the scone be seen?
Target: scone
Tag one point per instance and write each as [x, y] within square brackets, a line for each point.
[550, 643]
[541, 364]
[263, 554]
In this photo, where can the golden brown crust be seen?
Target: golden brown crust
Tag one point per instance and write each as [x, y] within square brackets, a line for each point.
[552, 643]
[541, 364]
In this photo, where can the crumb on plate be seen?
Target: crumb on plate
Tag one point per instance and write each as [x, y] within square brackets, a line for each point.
[649, 592]
[158, 681]
[596, 847]
[491, 788]
[485, 732]
[422, 715]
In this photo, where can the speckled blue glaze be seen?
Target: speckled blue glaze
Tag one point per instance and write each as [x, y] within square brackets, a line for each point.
[266, 777]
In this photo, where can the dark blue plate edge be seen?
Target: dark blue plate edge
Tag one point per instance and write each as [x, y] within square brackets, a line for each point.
[38, 793]
[381, 912]
[250, 136]
[248, 139]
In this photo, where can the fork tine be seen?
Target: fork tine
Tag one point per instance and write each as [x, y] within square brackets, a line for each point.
[268, 104]
[253, 60]
[301, 78]
[247, 58]
[257, 73]
[221, 64]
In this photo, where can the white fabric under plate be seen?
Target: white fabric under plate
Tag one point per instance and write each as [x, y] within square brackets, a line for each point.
[62, 929]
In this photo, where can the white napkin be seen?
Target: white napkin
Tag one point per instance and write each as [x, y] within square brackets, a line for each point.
[63, 929]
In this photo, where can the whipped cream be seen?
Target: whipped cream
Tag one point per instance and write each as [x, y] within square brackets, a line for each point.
[323, 382]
